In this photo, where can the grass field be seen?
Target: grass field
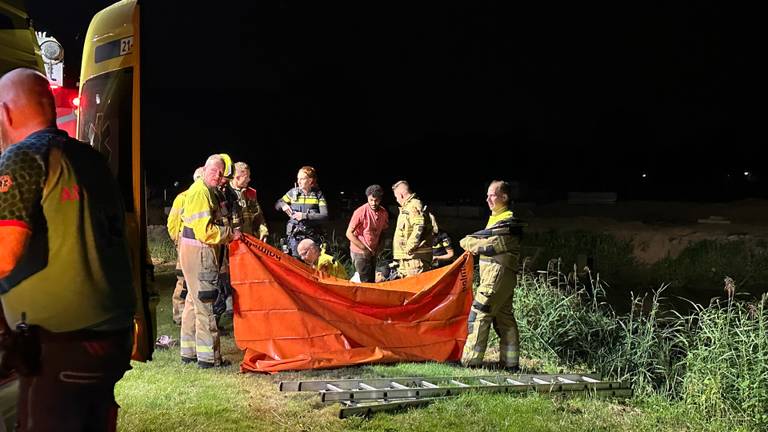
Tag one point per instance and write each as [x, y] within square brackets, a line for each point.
[164, 395]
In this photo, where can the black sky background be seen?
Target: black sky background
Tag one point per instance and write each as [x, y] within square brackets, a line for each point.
[449, 95]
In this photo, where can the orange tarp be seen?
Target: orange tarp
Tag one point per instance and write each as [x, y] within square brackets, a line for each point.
[289, 316]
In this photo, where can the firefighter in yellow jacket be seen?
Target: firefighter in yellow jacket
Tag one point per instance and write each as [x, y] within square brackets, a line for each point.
[253, 218]
[499, 248]
[174, 229]
[412, 245]
[201, 234]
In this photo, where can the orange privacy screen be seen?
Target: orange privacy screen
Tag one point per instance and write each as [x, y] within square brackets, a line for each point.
[289, 316]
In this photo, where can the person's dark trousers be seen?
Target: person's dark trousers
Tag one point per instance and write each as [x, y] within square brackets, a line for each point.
[72, 389]
[365, 265]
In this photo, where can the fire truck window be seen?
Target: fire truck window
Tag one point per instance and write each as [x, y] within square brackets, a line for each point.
[106, 105]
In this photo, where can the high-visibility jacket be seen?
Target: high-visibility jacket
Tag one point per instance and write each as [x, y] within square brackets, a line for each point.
[201, 208]
[413, 232]
[326, 264]
[311, 204]
[174, 217]
[498, 244]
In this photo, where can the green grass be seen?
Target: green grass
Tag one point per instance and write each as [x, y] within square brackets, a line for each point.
[162, 250]
[704, 371]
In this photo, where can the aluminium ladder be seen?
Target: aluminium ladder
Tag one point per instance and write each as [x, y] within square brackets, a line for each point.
[365, 396]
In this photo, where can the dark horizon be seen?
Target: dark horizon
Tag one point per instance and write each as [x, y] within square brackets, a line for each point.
[574, 98]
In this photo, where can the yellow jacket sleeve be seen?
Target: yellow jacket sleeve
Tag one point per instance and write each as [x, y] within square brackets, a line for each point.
[198, 215]
[174, 217]
[416, 219]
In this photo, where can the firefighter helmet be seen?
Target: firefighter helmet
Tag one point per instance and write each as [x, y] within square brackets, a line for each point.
[229, 169]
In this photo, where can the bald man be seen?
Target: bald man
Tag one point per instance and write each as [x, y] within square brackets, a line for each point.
[65, 274]
[311, 254]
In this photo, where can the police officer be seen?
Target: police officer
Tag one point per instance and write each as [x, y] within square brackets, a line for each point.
[306, 209]
[203, 231]
[499, 248]
[412, 244]
[442, 247]
[65, 271]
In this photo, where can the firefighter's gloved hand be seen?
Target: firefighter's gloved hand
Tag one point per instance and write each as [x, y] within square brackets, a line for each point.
[236, 234]
[469, 244]
[298, 216]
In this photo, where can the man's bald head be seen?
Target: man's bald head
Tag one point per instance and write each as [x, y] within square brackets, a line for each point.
[308, 251]
[26, 105]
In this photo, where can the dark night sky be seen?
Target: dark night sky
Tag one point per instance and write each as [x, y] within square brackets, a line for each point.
[560, 97]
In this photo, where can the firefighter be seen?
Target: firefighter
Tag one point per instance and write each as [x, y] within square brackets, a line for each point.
[65, 269]
[310, 253]
[231, 215]
[412, 244]
[203, 232]
[174, 229]
[253, 218]
[498, 246]
[306, 209]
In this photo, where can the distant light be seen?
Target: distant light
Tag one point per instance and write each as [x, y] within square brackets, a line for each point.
[76, 102]
[746, 173]
[645, 175]
[342, 192]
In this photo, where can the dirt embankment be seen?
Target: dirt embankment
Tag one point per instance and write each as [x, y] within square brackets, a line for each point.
[656, 229]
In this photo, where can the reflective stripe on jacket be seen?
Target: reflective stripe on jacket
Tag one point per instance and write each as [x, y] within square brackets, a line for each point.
[200, 213]
[174, 217]
[413, 232]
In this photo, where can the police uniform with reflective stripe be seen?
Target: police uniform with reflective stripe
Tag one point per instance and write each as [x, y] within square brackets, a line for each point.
[202, 233]
[412, 245]
[313, 206]
[499, 249]
[440, 247]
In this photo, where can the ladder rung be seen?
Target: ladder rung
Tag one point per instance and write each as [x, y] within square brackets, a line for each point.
[484, 382]
[416, 382]
[458, 383]
[365, 386]
[566, 380]
[427, 384]
[398, 385]
[332, 387]
[541, 381]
